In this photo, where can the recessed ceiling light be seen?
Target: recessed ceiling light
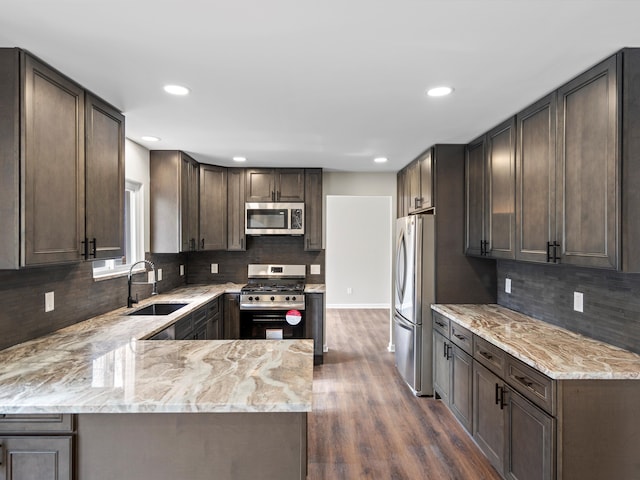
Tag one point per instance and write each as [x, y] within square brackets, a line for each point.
[176, 89]
[439, 91]
[149, 138]
[380, 159]
[239, 159]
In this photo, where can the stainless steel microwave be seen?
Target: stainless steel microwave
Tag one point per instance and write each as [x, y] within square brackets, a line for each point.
[274, 218]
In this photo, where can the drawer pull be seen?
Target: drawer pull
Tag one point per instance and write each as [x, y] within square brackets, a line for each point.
[460, 337]
[486, 355]
[525, 381]
[440, 324]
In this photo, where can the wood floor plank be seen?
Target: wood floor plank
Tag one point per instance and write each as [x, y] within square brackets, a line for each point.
[366, 423]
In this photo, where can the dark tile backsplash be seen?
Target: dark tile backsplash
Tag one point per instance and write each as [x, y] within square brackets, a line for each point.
[611, 299]
[232, 266]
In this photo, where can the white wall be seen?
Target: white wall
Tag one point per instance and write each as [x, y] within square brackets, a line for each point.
[358, 260]
[136, 168]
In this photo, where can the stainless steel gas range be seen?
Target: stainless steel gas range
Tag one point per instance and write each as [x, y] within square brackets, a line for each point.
[272, 304]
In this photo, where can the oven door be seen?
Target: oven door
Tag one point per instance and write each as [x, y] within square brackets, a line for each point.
[270, 324]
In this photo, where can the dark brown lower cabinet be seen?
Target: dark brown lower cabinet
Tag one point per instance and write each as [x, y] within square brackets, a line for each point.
[36, 447]
[231, 316]
[517, 437]
[461, 396]
[314, 318]
[441, 369]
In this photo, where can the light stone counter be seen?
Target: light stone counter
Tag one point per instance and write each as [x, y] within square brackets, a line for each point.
[102, 366]
[554, 351]
[315, 288]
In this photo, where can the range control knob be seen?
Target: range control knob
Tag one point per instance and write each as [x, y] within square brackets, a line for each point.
[257, 298]
[250, 298]
[294, 299]
[273, 298]
[287, 299]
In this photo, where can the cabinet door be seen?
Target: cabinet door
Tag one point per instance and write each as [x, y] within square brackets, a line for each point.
[53, 166]
[426, 180]
[260, 185]
[314, 327]
[42, 458]
[488, 415]
[530, 440]
[313, 209]
[104, 175]
[474, 169]
[189, 186]
[231, 315]
[235, 209]
[213, 208]
[587, 168]
[441, 367]
[412, 184]
[461, 396]
[501, 190]
[290, 185]
[536, 180]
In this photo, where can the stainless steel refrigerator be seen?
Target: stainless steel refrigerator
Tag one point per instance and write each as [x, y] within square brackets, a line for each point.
[414, 293]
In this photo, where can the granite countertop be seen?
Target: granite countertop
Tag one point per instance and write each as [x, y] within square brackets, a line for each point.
[101, 365]
[315, 288]
[554, 351]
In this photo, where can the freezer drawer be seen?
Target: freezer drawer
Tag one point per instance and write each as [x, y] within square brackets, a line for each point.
[408, 351]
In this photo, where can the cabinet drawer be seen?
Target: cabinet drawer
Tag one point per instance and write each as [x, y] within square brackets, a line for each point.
[213, 307]
[534, 385]
[200, 318]
[489, 355]
[32, 423]
[184, 328]
[441, 323]
[462, 337]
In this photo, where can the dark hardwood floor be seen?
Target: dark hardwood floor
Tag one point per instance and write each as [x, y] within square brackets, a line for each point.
[366, 424]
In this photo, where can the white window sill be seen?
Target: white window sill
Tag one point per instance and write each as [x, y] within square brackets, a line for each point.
[118, 272]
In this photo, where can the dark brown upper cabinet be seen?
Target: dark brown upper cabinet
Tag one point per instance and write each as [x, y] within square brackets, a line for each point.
[104, 176]
[415, 185]
[274, 184]
[313, 209]
[46, 168]
[213, 207]
[490, 193]
[174, 181]
[536, 181]
[588, 167]
[235, 209]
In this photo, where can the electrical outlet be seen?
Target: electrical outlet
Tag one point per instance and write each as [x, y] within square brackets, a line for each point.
[349, 291]
[578, 301]
[507, 285]
[150, 276]
[315, 269]
[49, 303]
[182, 270]
[159, 274]
[214, 268]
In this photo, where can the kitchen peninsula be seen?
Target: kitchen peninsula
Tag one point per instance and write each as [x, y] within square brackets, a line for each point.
[162, 409]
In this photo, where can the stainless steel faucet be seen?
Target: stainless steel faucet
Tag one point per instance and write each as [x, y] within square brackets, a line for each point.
[130, 300]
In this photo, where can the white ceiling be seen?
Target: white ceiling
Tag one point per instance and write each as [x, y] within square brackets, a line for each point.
[318, 83]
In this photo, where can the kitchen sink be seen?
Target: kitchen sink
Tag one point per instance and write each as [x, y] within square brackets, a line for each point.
[159, 309]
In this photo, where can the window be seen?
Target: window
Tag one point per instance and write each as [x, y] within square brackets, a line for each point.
[133, 235]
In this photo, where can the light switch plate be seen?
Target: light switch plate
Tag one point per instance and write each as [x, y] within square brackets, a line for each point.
[214, 268]
[507, 285]
[182, 270]
[150, 276]
[315, 269]
[49, 303]
[159, 274]
[578, 301]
